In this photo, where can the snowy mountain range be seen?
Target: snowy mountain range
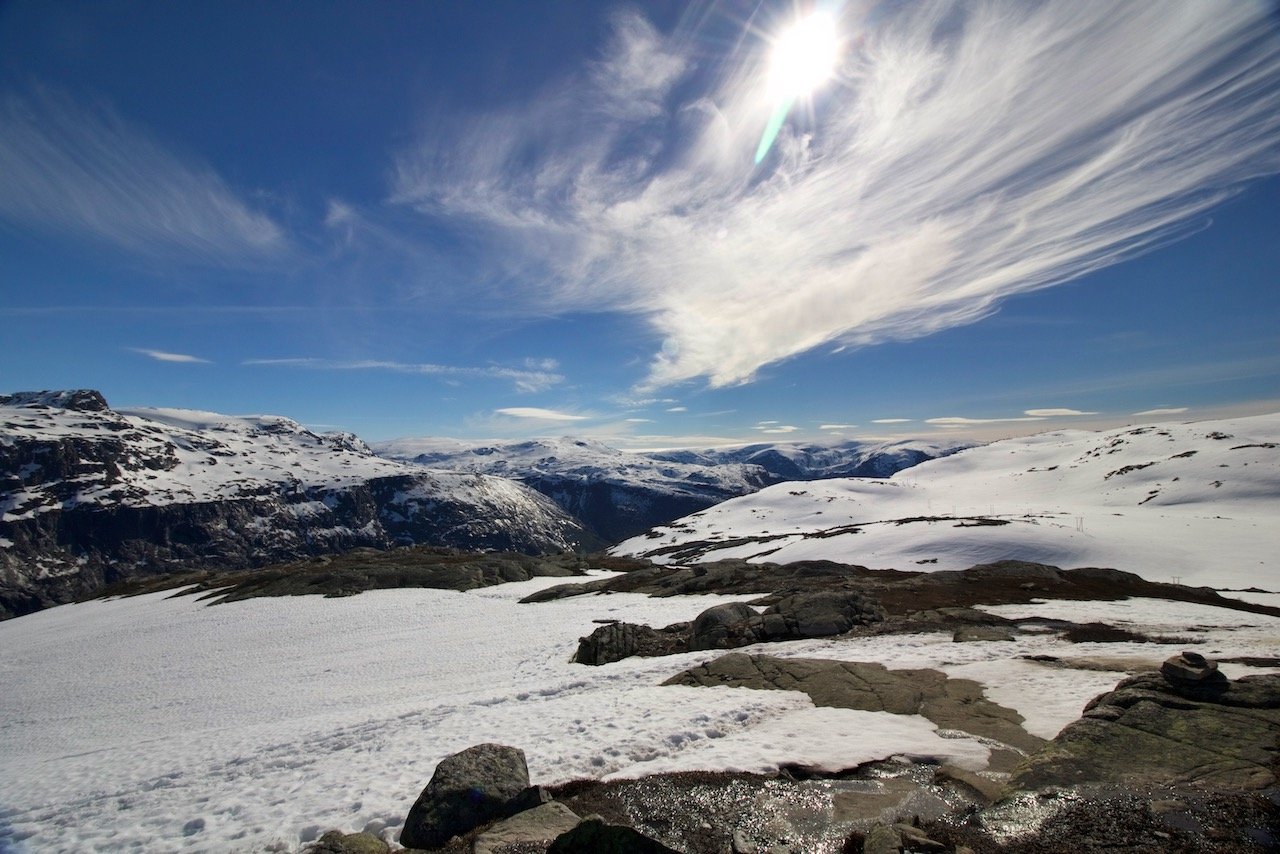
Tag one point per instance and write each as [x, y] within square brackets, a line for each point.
[1168, 501]
[618, 494]
[90, 495]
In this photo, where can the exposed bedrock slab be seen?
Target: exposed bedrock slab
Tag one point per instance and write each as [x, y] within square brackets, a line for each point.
[1188, 725]
[950, 703]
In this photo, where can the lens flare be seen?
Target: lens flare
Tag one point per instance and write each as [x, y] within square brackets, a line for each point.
[804, 57]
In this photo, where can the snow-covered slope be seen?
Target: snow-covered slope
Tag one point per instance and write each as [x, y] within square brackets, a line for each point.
[622, 493]
[89, 495]
[615, 493]
[1196, 502]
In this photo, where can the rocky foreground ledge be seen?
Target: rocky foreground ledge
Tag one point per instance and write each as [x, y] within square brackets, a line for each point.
[1182, 759]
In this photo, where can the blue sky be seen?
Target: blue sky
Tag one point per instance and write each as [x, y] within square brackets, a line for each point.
[522, 219]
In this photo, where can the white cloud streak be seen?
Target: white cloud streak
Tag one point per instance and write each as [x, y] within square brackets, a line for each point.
[539, 414]
[958, 421]
[162, 356]
[967, 153]
[80, 169]
[524, 380]
[836, 426]
[1173, 410]
[890, 420]
[1055, 413]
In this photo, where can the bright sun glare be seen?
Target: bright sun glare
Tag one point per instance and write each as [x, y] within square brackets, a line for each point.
[804, 57]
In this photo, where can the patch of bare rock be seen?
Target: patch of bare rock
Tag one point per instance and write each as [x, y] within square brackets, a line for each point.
[1176, 760]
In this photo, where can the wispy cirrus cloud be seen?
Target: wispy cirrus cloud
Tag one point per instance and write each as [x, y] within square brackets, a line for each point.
[537, 413]
[836, 426]
[968, 152]
[537, 377]
[1056, 413]
[1168, 410]
[80, 169]
[890, 420]
[959, 421]
[163, 356]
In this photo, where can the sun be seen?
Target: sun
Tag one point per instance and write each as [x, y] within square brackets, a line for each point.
[804, 57]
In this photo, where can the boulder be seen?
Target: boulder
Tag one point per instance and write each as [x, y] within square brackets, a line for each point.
[824, 613]
[718, 626]
[794, 616]
[337, 842]
[594, 836]
[467, 790]
[616, 641]
[532, 827]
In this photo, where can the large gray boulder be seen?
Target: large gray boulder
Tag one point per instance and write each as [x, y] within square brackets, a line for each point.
[714, 627]
[823, 613]
[616, 641]
[467, 790]
[813, 614]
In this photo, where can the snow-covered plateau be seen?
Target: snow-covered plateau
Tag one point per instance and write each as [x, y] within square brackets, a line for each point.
[162, 724]
[1195, 503]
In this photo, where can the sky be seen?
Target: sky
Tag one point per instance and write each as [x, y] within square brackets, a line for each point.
[642, 223]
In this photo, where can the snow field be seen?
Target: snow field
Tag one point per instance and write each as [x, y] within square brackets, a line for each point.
[129, 723]
[161, 724]
[1194, 503]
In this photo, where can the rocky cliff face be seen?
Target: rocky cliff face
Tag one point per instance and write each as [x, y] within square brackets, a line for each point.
[90, 495]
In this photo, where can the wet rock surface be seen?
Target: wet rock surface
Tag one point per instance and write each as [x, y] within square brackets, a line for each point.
[1109, 819]
[712, 813]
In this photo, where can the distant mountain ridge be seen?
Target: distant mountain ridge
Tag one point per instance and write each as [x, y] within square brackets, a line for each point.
[808, 461]
[618, 494]
[90, 495]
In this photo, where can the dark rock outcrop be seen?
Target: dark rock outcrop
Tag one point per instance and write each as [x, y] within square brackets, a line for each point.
[1168, 728]
[468, 789]
[616, 641]
[931, 600]
[733, 624]
[337, 842]
[531, 829]
[799, 615]
[594, 836]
